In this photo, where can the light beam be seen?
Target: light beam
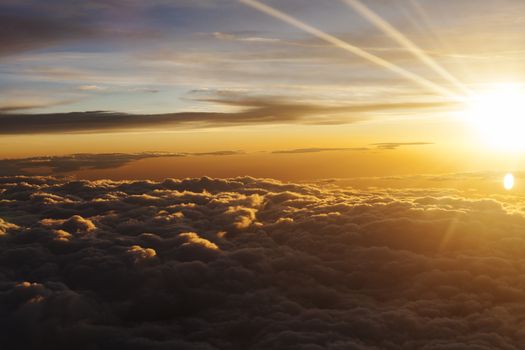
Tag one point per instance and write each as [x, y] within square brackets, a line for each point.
[401, 39]
[350, 48]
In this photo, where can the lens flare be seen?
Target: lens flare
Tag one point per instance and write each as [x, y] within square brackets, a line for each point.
[508, 181]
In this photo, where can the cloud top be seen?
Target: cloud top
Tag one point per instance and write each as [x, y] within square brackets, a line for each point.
[256, 263]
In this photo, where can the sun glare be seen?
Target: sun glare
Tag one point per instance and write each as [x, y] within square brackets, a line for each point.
[508, 181]
[499, 115]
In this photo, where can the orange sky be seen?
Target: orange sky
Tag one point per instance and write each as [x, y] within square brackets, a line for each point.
[253, 78]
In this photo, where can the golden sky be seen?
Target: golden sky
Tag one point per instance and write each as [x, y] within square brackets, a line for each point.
[293, 89]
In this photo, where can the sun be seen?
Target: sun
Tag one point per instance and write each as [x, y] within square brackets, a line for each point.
[498, 114]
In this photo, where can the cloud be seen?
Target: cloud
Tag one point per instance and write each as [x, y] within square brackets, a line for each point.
[99, 88]
[74, 162]
[45, 165]
[217, 153]
[254, 111]
[256, 263]
[318, 150]
[4, 226]
[22, 33]
[396, 145]
[380, 146]
[245, 38]
[144, 89]
[86, 161]
[14, 106]
[35, 25]
[92, 88]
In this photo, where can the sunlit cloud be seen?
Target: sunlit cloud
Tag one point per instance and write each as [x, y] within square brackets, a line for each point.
[92, 88]
[359, 268]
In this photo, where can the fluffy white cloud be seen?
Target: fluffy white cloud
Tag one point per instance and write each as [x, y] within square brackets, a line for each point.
[255, 263]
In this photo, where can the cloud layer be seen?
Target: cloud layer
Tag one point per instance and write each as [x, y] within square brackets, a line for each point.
[44, 165]
[377, 146]
[252, 263]
[253, 111]
[396, 145]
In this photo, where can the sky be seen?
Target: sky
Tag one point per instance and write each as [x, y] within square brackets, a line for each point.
[262, 174]
[258, 95]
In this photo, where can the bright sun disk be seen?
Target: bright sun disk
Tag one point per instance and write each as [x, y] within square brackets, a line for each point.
[499, 116]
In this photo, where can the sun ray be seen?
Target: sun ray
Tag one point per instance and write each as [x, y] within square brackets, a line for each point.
[449, 233]
[351, 48]
[450, 51]
[401, 39]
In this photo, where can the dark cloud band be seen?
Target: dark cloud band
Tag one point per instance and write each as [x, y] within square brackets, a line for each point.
[86, 161]
[253, 111]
